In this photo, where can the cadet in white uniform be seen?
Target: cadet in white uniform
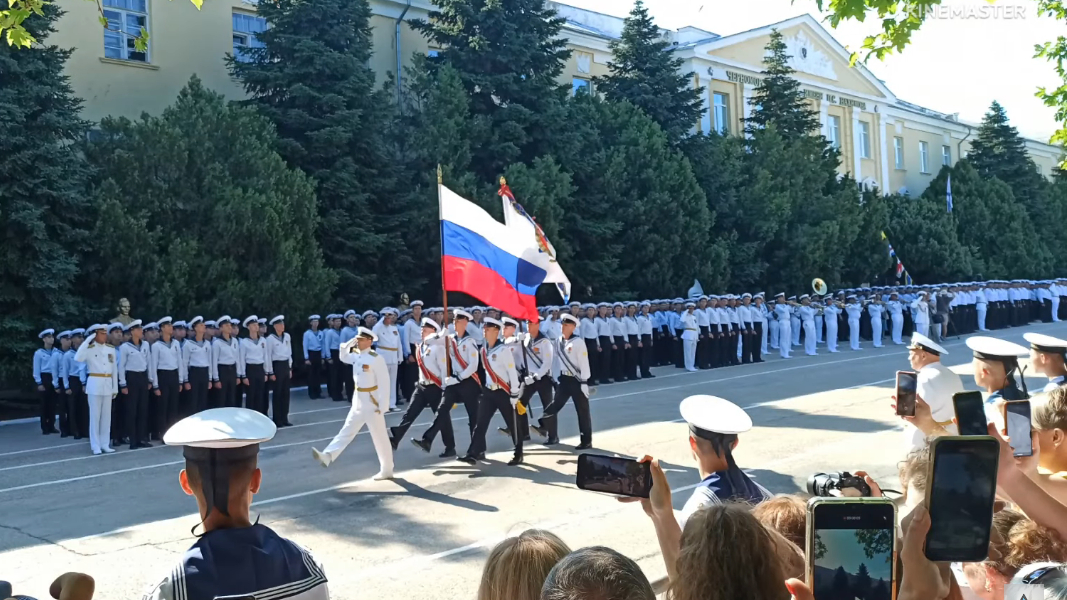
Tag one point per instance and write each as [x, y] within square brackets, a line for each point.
[196, 354]
[501, 391]
[690, 335]
[537, 354]
[573, 359]
[388, 337]
[253, 368]
[875, 310]
[133, 383]
[373, 391]
[224, 354]
[920, 314]
[896, 316]
[830, 316]
[807, 320]
[280, 357]
[854, 310]
[430, 361]
[166, 372]
[101, 386]
[784, 312]
[1048, 356]
[235, 558]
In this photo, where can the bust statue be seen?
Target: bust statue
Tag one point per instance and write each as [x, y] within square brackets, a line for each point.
[124, 312]
[405, 302]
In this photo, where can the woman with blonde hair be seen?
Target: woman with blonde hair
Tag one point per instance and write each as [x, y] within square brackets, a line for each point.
[1020, 542]
[517, 567]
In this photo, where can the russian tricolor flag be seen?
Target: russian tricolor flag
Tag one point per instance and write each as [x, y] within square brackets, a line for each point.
[484, 258]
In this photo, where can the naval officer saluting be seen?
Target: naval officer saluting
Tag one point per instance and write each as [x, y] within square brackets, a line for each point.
[234, 557]
[101, 387]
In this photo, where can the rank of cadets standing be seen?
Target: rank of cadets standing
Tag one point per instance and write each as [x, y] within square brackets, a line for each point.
[463, 386]
[134, 385]
[46, 375]
[101, 387]
[573, 359]
[429, 354]
[331, 342]
[196, 354]
[349, 331]
[280, 357]
[312, 342]
[252, 365]
[167, 374]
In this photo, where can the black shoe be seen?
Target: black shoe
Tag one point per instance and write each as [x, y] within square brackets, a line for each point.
[64, 435]
[393, 442]
[287, 424]
[526, 438]
[515, 461]
[146, 444]
[421, 445]
[45, 432]
[53, 430]
[468, 459]
[552, 441]
[541, 431]
[448, 453]
[134, 446]
[606, 381]
[505, 431]
[480, 456]
[650, 375]
[77, 437]
[584, 446]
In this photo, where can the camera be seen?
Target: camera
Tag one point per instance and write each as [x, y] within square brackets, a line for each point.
[847, 484]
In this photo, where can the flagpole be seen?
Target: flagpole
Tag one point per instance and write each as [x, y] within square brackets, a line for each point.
[444, 292]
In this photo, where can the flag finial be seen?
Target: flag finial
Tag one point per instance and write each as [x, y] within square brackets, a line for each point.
[439, 174]
[503, 181]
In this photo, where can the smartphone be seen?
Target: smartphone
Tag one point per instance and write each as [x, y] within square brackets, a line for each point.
[961, 489]
[907, 383]
[970, 413]
[1017, 422]
[851, 540]
[614, 475]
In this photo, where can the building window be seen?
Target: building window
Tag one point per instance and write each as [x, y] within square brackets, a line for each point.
[898, 152]
[835, 131]
[125, 19]
[946, 156]
[584, 61]
[245, 28]
[579, 85]
[722, 113]
[865, 140]
[924, 157]
[433, 53]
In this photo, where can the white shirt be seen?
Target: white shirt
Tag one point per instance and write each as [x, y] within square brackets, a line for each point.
[690, 330]
[279, 349]
[644, 325]
[166, 357]
[388, 343]
[134, 358]
[222, 353]
[937, 384]
[539, 355]
[573, 360]
[252, 352]
[196, 354]
[99, 360]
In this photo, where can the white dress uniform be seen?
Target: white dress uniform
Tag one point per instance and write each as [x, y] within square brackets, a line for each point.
[896, 316]
[785, 328]
[982, 299]
[920, 314]
[807, 319]
[373, 393]
[772, 326]
[389, 349]
[937, 384]
[875, 311]
[830, 314]
[690, 334]
[101, 387]
[761, 315]
[854, 311]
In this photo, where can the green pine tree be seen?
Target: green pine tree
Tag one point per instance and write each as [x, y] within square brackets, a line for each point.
[645, 72]
[509, 55]
[999, 151]
[719, 166]
[43, 207]
[779, 99]
[312, 80]
[924, 237]
[868, 255]
[199, 210]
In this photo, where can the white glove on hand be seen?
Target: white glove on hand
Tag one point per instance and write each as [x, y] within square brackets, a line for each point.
[451, 381]
[585, 390]
[529, 380]
[514, 401]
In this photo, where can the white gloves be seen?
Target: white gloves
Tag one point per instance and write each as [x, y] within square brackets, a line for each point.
[514, 401]
[529, 380]
[451, 381]
[585, 390]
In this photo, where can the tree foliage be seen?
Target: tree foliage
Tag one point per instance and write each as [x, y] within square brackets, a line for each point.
[778, 99]
[199, 214]
[644, 72]
[44, 213]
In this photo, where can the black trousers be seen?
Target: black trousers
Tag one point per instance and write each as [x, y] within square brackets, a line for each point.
[1046, 311]
[570, 388]
[746, 346]
[647, 354]
[256, 376]
[489, 402]
[227, 394]
[63, 408]
[198, 392]
[606, 363]
[136, 406]
[704, 348]
[618, 359]
[118, 419]
[632, 356]
[678, 353]
[167, 401]
[315, 374]
[348, 381]
[465, 392]
[334, 387]
[48, 403]
[280, 410]
[728, 347]
[409, 374]
[423, 396]
[78, 409]
[545, 389]
[591, 346]
[757, 344]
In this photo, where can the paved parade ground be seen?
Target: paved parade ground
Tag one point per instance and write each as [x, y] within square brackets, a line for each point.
[123, 518]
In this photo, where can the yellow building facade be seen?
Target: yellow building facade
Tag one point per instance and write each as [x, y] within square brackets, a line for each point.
[884, 141]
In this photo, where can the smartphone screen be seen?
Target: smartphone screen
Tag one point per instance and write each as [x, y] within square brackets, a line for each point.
[850, 549]
[960, 494]
[907, 383]
[614, 475]
[1017, 422]
[970, 413]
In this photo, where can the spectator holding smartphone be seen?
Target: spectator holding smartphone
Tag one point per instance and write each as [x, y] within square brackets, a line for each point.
[936, 385]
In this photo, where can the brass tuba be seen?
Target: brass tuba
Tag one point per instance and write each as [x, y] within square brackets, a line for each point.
[819, 286]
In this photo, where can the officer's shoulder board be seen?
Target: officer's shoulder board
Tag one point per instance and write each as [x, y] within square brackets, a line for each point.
[373, 353]
[109, 346]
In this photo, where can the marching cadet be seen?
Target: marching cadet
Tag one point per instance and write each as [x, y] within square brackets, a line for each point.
[875, 310]
[551, 329]
[463, 386]
[704, 340]
[312, 343]
[224, 354]
[62, 390]
[102, 385]
[166, 373]
[134, 384]
[854, 310]
[373, 397]
[501, 391]
[196, 356]
[537, 355]
[607, 343]
[647, 349]
[571, 353]
[348, 332]
[896, 316]
[831, 316]
[221, 447]
[253, 368]
[331, 342]
[474, 325]
[1048, 355]
[807, 320]
[280, 357]
[46, 375]
[690, 335]
[412, 334]
[78, 410]
[783, 312]
[429, 354]
[590, 335]
[388, 338]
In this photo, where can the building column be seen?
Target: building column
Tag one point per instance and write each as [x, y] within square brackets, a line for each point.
[856, 173]
[746, 107]
[705, 119]
[883, 132]
[824, 118]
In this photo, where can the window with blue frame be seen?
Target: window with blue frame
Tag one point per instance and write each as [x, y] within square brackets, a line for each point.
[245, 28]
